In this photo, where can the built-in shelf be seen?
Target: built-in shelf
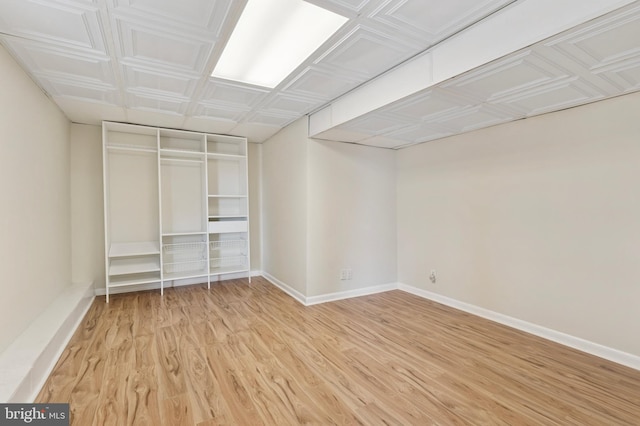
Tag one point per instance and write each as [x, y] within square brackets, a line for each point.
[176, 205]
[177, 234]
[128, 266]
[227, 245]
[168, 154]
[185, 275]
[136, 279]
[227, 270]
[212, 156]
[141, 248]
[130, 148]
[180, 160]
[227, 264]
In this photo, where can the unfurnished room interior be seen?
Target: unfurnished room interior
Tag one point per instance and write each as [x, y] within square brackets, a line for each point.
[408, 212]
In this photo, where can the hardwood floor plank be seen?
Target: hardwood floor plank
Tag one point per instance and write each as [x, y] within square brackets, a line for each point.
[248, 354]
[231, 385]
[207, 400]
[83, 400]
[112, 407]
[145, 354]
[177, 411]
[142, 398]
[170, 363]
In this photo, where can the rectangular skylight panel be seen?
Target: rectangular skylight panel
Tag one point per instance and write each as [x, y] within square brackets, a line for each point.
[272, 38]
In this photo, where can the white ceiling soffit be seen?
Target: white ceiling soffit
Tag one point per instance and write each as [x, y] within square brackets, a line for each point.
[527, 59]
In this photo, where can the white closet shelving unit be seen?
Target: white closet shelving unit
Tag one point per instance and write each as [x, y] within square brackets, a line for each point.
[176, 205]
[227, 205]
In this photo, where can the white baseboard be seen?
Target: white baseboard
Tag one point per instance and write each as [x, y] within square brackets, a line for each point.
[28, 361]
[101, 291]
[286, 288]
[329, 297]
[348, 294]
[583, 345]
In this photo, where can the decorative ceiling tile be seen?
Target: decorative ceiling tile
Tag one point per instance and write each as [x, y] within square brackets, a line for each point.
[552, 97]
[81, 111]
[55, 62]
[209, 125]
[271, 119]
[204, 15]
[373, 124]
[223, 112]
[344, 7]
[64, 24]
[163, 104]
[148, 46]
[285, 103]
[321, 84]
[149, 117]
[424, 105]
[434, 20]
[225, 92]
[419, 133]
[504, 77]
[470, 118]
[162, 84]
[604, 42]
[592, 47]
[255, 132]
[58, 87]
[365, 53]
[625, 75]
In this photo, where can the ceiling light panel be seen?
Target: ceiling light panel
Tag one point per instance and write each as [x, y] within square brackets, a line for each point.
[272, 38]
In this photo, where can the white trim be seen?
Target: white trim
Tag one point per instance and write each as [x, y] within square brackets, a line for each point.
[348, 294]
[101, 291]
[583, 345]
[26, 364]
[286, 288]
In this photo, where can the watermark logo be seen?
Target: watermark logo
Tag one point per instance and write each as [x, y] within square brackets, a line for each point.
[34, 414]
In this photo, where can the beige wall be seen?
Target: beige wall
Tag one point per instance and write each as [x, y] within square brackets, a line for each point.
[284, 208]
[536, 219]
[35, 230]
[351, 216]
[327, 206]
[87, 214]
[255, 172]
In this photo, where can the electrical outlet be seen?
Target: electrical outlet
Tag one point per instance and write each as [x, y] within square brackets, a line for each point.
[346, 274]
[432, 276]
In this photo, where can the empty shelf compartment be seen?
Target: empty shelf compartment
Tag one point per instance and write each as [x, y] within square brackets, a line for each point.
[227, 225]
[136, 265]
[186, 267]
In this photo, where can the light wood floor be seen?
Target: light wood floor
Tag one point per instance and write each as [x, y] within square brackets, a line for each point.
[245, 354]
